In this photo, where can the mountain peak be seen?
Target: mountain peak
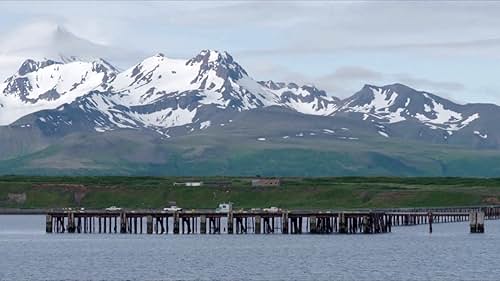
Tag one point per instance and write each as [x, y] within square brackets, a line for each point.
[208, 56]
[61, 32]
[395, 87]
[31, 65]
[215, 55]
[398, 87]
[219, 61]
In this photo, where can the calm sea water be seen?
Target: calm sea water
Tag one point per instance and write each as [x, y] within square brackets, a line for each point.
[409, 253]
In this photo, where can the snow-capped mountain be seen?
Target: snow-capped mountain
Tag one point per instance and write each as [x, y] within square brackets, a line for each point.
[397, 103]
[164, 95]
[214, 75]
[207, 115]
[49, 84]
[160, 93]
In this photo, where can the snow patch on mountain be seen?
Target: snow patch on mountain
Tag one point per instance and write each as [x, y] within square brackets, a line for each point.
[384, 134]
[165, 118]
[305, 99]
[205, 124]
[483, 136]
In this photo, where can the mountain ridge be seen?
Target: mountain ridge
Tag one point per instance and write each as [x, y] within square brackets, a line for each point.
[208, 107]
[161, 93]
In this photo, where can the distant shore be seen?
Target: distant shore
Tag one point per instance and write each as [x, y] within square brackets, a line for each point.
[32, 195]
[17, 211]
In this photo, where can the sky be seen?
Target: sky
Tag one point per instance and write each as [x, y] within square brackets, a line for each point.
[450, 48]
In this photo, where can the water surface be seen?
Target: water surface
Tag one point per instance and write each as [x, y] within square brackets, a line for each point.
[409, 253]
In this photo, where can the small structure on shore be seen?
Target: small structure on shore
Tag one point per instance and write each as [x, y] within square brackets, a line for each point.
[205, 184]
[266, 182]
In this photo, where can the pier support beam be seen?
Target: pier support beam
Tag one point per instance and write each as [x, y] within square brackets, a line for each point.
[430, 219]
[176, 223]
[312, 225]
[123, 222]
[149, 224]
[71, 222]
[284, 222]
[476, 220]
[342, 223]
[48, 224]
[367, 225]
[230, 222]
[203, 225]
[257, 225]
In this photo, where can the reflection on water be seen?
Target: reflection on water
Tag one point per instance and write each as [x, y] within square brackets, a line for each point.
[409, 253]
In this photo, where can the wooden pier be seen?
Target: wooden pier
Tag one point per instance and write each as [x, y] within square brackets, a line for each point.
[256, 222]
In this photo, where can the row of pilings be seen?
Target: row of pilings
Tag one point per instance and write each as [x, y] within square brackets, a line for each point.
[245, 222]
[216, 223]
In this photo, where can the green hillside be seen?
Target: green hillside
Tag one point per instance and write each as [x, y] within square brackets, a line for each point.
[322, 193]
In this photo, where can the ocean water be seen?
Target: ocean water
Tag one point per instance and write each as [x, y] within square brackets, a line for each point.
[408, 253]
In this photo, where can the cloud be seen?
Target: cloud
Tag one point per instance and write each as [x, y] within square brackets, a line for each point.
[480, 47]
[353, 78]
[295, 27]
[277, 28]
[46, 39]
[429, 84]
[344, 81]
[365, 41]
[354, 73]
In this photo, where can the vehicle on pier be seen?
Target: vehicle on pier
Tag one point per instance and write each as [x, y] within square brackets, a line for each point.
[272, 209]
[224, 208]
[172, 209]
[113, 208]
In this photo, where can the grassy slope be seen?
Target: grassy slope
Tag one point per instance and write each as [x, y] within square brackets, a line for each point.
[152, 192]
[233, 150]
[211, 156]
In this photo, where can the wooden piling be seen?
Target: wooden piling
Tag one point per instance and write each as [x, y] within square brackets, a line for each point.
[203, 224]
[48, 224]
[284, 222]
[342, 223]
[257, 225]
[312, 225]
[123, 222]
[176, 223]
[476, 220]
[367, 226]
[230, 222]
[71, 222]
[430, 220]
[149, 224]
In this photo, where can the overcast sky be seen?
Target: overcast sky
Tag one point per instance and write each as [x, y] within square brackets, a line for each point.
[450, 48]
